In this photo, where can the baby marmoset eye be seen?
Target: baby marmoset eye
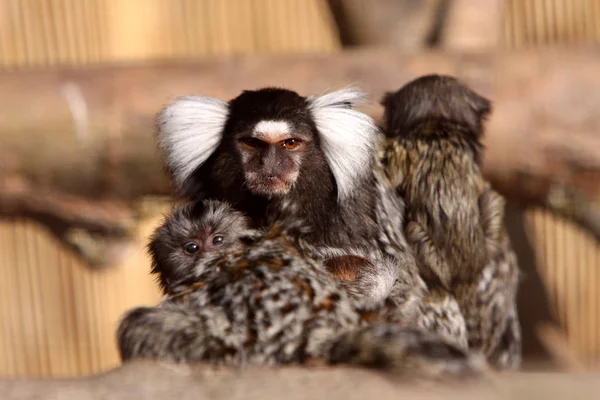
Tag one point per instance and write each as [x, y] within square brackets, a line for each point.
[191, 248]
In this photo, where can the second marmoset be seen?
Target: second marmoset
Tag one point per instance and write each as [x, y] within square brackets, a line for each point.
[454, 220]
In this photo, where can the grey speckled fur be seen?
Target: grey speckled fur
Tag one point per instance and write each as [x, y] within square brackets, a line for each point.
[269, 303]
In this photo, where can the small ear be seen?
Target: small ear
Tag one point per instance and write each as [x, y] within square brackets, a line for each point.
[189, 131]
[387, 99]
[347, 137]
[154, 251]
[482, 106]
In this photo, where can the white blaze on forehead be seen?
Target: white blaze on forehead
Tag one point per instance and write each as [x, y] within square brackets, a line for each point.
[266, 129]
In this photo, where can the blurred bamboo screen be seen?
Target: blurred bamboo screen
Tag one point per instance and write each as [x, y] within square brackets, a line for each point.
[568, 258]
[530, 23]
[58, 316]
[51, 32]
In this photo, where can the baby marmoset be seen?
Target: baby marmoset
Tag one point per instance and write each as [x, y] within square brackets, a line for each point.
[266, 302]
[454, 220]
[197, 231]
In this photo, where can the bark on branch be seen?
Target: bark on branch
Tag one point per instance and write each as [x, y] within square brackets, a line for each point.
[73, 139]
[157, 381]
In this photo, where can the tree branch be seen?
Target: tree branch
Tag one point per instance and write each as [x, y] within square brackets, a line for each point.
[78, 144]
[157, 381]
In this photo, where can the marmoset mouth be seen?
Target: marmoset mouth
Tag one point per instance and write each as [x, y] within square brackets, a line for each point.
[270, 186]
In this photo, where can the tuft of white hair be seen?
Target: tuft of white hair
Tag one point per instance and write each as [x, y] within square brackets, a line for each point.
[347, 137]
[189, 131]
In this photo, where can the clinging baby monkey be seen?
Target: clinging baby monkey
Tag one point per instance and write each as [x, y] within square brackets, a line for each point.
[196, 232]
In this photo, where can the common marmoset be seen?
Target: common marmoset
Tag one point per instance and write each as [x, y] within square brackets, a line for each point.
[268, 303]
[454, 220]
[196, 231]
[276, 155]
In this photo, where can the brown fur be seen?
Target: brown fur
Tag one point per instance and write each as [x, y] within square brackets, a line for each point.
[454, 220]
[347, 268]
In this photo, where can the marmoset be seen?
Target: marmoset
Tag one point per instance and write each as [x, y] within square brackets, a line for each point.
[211, 227]
[276, 155]
[268, 303]
[453, 219]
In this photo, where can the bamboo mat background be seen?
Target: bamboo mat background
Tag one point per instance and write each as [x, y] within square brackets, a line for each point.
[530, 23]
[57, 316]
[50, 32]
[568, 259]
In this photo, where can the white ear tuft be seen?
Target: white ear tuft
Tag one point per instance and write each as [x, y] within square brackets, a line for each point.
[189, 131]
[347, 136]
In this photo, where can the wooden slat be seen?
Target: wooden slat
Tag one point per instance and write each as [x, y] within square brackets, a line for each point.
[58, 315]
[568, 258]
[38, 33]
[530, 23]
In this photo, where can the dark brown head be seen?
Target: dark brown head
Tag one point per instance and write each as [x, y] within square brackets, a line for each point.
[189, 235]
[273, 133]
[264, 142]
[431, 98]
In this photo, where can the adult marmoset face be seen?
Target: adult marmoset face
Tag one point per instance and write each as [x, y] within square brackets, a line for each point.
[271, 141]
[268, 143]
[190, 235]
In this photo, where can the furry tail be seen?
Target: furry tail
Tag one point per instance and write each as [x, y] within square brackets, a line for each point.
[145, 332]
[405, 350]
[176, 335]
[173, 333]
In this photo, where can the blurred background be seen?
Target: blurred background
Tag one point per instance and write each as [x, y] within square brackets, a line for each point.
[81, 187]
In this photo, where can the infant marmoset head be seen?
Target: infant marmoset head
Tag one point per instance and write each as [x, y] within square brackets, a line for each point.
[191, 234]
